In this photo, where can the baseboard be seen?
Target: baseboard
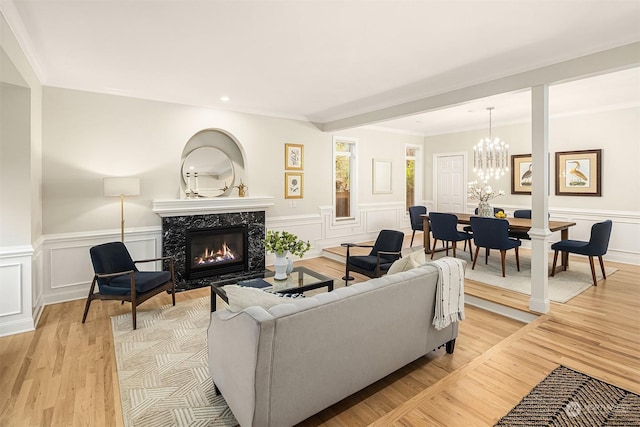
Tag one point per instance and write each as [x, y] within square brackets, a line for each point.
[510, 312]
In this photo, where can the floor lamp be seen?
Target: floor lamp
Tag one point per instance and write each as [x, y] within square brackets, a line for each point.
[121, 186]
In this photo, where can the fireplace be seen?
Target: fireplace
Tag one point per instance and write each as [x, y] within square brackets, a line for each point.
[176, 230]
[217, 250]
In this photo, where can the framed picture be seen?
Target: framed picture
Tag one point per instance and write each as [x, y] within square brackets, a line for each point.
[293, 156]
[293, 185]
[381, 176]
[521, 168]
[579, 173]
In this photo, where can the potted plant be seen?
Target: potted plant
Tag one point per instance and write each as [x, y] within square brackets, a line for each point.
[281, 242]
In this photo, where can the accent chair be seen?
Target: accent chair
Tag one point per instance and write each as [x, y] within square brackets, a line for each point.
[118, 278]
[386, 249]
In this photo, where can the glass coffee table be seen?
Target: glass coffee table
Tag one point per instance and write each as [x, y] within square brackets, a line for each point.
[301, 279]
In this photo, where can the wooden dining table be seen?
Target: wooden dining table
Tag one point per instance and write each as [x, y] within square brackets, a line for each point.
[515, 224]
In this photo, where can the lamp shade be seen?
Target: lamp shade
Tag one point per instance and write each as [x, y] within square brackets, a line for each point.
[121, 186]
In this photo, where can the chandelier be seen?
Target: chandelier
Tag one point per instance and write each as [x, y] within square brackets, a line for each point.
[490, 156]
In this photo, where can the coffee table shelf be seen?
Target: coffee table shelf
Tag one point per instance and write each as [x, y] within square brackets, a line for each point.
[301, 279]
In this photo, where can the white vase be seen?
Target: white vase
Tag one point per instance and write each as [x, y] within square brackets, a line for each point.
[281, 264]
[485, 209]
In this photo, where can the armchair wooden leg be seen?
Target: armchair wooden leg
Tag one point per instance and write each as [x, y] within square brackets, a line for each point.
[470, 248]
[604, 275]
[518, 258]
[133, 314]
[412, 236]
[475, 258]
[454, 248]
[486, 256]
[503, 256]
[593, 271]
[555, 261]
[346, 277]
[89, 299]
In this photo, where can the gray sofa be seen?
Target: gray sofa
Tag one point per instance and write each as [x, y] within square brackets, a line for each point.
[279, 366]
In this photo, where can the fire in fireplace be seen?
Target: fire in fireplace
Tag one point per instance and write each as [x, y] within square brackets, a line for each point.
[217, 250]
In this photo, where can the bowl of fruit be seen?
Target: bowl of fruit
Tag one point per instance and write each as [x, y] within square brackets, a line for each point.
[500, 214]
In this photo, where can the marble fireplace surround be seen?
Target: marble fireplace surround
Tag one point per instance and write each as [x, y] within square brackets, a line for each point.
[182, 214]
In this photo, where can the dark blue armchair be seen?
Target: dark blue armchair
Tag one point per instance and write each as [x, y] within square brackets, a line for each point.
[444, 226]
[119, 279]
[493, 233]
[596, 246]
[417, 222]
[386, 249]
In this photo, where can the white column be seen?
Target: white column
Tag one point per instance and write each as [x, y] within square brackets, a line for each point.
[539, 232]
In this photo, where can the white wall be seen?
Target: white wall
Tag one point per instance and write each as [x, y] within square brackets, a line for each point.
[20, 202]
[616, 132]
[88, 136]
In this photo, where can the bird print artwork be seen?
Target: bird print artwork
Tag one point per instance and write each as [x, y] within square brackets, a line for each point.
[576, 177]
[525, 179]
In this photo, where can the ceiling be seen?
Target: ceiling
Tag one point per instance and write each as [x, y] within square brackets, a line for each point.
[327, 60]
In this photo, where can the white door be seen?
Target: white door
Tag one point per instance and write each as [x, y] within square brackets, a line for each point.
[451, 189]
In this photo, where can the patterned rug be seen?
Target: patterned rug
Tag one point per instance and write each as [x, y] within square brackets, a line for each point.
[570, 398]
[162, 368]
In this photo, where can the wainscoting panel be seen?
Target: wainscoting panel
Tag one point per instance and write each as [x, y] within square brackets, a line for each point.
[67, 272]
[10, 280]
[67, 269]
[16, 313]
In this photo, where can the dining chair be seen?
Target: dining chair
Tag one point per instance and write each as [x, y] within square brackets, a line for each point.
[467, 228]
[119, 279]
[417, 222]
[444, 227]
[493, 233]
[386, 249]
[596, 246]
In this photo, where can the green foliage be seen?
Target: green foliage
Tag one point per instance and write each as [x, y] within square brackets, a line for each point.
[281, 242]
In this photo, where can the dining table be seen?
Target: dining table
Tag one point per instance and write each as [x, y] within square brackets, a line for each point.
[515, 224]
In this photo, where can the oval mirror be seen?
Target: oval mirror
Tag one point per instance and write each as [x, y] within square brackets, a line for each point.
[214, 172]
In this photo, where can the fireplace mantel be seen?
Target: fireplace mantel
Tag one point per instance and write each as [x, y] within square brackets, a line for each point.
[204, 206]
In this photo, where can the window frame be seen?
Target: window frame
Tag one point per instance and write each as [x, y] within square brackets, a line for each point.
[418, 175]
[353, 181]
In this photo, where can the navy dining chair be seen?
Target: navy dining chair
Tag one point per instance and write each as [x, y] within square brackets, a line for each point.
[493, 233]
[596, 246]
[444, 226]
[417, 222]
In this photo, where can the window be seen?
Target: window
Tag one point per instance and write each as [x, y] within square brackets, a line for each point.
[344, 150]
[413, 174]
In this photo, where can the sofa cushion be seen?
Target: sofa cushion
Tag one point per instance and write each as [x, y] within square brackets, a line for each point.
[402, 264]
[241, 297]
[418, 257]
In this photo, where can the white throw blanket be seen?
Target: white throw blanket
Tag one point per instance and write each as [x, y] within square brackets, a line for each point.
[449, 292]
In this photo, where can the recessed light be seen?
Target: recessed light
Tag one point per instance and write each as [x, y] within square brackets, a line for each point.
[224, 98]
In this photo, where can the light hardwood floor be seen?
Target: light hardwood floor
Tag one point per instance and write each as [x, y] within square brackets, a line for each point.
[63, 373]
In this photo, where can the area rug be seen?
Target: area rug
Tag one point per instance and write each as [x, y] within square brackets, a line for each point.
[562, 287]
[162, 368]
[570, 398]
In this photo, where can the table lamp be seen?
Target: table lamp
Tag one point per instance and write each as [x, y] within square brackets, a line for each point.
[121, 186]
